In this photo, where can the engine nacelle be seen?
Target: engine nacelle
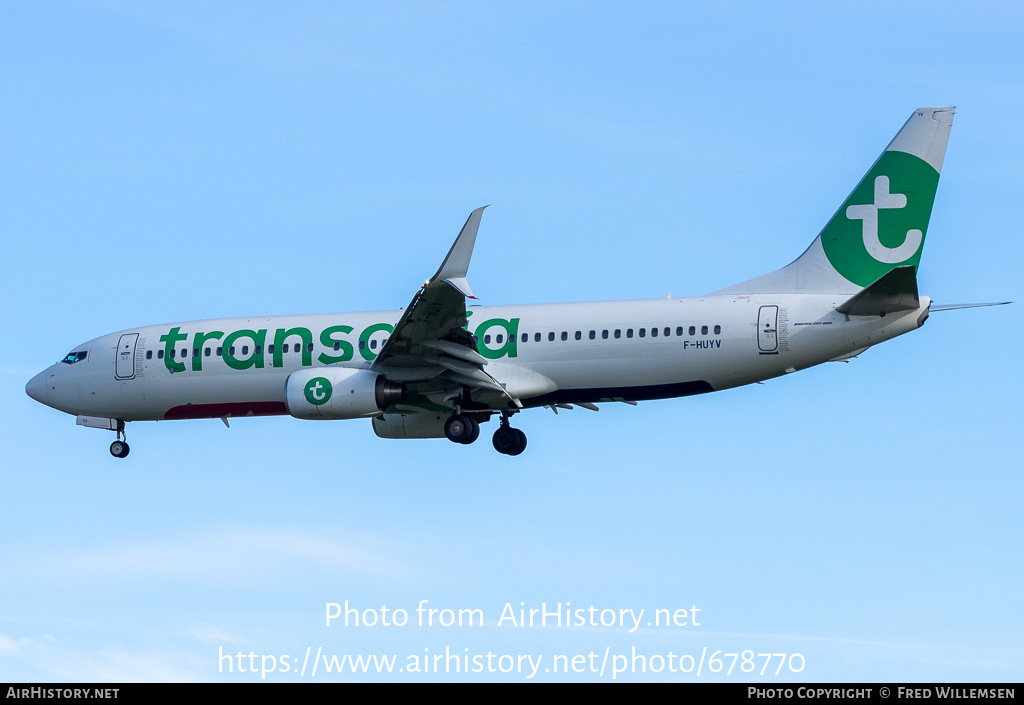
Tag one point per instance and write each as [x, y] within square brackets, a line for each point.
[425, 425]
[339, 393]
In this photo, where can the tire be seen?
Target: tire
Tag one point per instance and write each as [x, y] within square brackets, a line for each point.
[474, 431]
[520, 442]
[458, 428]
[509, 441]
[119, 449]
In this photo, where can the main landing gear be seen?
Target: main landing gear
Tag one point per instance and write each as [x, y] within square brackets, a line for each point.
[508, 440]
[463, 428]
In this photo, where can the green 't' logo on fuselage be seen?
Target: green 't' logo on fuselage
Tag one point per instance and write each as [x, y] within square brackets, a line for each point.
[318, 391]
[883, 223]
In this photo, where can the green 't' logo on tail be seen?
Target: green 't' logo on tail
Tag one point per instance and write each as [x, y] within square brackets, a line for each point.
[883, 223]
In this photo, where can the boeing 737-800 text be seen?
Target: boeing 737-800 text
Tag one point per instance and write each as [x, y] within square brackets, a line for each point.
[439, 369]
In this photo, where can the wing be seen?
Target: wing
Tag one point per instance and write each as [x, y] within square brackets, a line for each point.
[430, 344]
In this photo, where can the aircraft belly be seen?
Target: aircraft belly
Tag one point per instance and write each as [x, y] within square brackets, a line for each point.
[655, 375]
[205, 395]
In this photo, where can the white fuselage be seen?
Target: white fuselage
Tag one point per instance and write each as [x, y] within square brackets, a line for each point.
[543, 353]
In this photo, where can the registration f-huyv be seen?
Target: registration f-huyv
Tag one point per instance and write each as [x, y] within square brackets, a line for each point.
[439, 368]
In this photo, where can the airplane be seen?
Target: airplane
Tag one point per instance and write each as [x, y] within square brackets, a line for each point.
[439, 368]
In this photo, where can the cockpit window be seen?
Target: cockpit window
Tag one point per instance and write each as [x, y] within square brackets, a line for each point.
[74, 357]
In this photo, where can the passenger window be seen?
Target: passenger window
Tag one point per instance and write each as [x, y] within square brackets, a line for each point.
[536, 337]
[159, 354]
[668, 331]
[207, 352]
[679, 330]
[195, 352]
[703, 330]
[718, 330]
[373, 345]
[654, 332]
[565, 336]
[487, 340]
[231, 350]
[526, 337]
[604, 335]
[551, 336]
[245, 349]
[593, 335]
[149, 354]
[499, 339]
[220, 351]
[693, 330]
[643, 332]
[629, 332]
[579, 336]
[618, 332]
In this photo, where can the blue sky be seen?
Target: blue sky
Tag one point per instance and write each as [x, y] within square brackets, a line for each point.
[195, 160]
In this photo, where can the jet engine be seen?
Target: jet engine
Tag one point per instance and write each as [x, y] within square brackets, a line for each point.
[339, 393]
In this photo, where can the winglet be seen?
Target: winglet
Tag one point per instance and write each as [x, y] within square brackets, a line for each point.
[456, 265]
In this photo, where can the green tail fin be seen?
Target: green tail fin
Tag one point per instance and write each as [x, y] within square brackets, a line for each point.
[881, 225]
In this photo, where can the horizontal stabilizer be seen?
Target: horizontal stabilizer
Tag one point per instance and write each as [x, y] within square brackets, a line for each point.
[953, 307]
[892, 292]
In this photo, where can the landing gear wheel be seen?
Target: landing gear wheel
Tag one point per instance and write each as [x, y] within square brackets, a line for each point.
[461, 429]
[521, 442]
[119, 449]
[474, 431]
[509, 441]
[504, 439]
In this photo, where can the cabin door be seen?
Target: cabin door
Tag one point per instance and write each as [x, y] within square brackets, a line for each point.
[767, 330]
[124, 366]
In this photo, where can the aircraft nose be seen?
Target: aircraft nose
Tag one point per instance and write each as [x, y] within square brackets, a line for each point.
[37, 387]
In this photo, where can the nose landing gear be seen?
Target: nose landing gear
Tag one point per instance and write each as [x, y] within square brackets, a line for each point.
[119, 448]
